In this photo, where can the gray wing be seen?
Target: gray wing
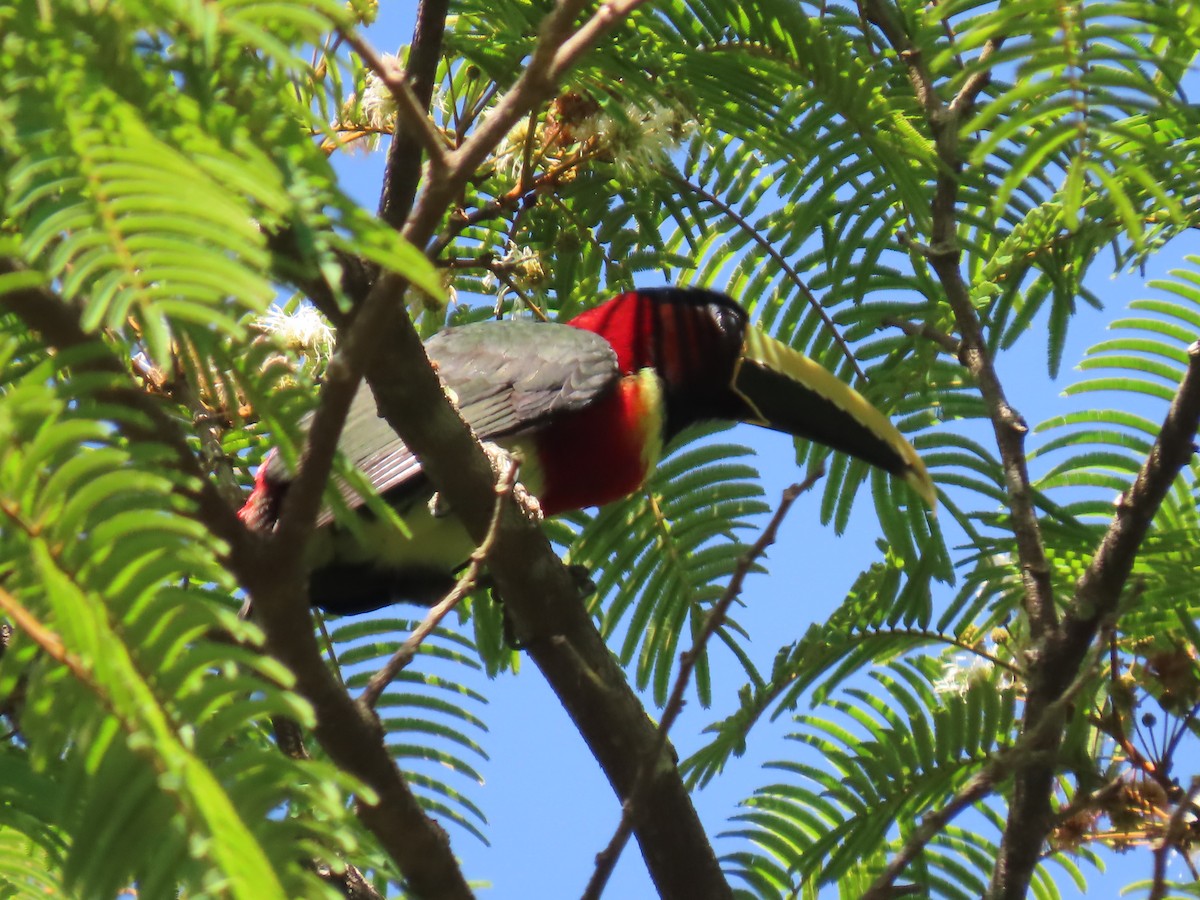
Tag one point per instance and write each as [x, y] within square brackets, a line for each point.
[505, 377]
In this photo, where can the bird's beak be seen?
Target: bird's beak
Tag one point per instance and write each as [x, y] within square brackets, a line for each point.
[787, 391]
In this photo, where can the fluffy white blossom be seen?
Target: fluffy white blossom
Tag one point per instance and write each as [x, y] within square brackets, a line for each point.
[378, 105]
[638, 138]
[303, 331]
[962, 672]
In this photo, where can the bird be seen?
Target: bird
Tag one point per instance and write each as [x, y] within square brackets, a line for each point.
[590, 405]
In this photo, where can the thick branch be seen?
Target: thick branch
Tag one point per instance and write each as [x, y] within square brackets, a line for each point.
[403, 172]
[548, 615]
[1030, 809]
[1096, 600]
[272, 573]
[541, 598]
[606, 860]
[1010, 430]
[353, 739]
[1099, 589]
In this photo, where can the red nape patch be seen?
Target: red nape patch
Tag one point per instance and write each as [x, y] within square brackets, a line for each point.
[625, 322]
[598, 454]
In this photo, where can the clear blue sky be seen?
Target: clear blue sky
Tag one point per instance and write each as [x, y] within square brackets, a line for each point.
[549, 808]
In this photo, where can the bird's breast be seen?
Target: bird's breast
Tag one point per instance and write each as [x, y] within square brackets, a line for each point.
[605, 451]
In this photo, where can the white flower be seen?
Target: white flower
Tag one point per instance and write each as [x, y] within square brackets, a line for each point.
[523, 266]
[378, 104]
[303, 331]
[440, 101]
[510, 159]
[961, 673]
[640, 137]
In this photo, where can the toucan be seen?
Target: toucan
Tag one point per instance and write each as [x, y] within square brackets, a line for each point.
[589, 405]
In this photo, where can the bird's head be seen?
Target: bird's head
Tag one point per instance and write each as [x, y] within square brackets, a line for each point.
[713, 364]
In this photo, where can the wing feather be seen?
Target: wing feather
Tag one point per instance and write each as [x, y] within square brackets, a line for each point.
[506, 378]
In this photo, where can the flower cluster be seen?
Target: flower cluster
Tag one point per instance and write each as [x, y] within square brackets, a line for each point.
[522, 265]
[303, 331]
[964, 671]
[378, 104]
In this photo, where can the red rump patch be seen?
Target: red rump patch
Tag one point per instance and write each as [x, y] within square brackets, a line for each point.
[261, 508]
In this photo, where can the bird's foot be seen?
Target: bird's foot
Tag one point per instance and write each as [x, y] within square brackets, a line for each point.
[506, 464]
[502, 462]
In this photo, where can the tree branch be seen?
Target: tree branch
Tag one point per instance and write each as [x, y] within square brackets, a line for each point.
[269, 567]
[1099, 589]
[350, 882]
[947, 342]
[944, 255]
[1029, 815]
[465, 583]
[1096, 600]
[1007, 425]
[606, 860]
[403, 172]
[353, 739]
[541, 597]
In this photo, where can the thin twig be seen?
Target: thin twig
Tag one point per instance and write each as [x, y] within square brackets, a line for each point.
[1172, 837]
[772, 251]
[606, 860]
[980, 785]
[947, 342]
[350, 881]
[408, 107]
[463, 586]
[965, 99]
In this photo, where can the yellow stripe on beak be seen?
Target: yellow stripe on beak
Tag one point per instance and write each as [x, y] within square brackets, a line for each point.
[789, 392]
